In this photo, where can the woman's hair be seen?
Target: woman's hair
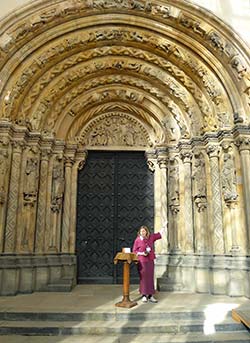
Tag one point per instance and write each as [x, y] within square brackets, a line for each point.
[145, 228]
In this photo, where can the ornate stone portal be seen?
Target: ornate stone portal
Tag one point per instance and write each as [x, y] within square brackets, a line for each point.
[125, 75]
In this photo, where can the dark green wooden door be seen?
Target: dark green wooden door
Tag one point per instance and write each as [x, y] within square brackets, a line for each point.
[115, 197]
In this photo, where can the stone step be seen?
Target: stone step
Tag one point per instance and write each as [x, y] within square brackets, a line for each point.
[111, 327]
[229, 337]
[61, 285]
[112, 315]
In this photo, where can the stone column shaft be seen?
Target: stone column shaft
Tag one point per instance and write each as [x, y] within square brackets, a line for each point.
[72, 232]
[10, 232]
[245, 166]
[235, 248]
[218, 236]
[41, 210]
[67, 207]
[4, 182]
[162, 162]
[188, 206]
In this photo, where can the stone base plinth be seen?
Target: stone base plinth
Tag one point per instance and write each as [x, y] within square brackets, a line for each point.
[228, 275]
[26, 274]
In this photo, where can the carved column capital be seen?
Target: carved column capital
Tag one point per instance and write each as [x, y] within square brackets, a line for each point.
[69, 161]
[162, 158]
[80, 159]
[4, 142]
[151, 159]
[45, 153]
[243, 143]
[186, 156]
[213, 151]
[18, 146]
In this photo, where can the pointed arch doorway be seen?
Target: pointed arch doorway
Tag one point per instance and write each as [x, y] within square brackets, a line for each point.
[115, 197]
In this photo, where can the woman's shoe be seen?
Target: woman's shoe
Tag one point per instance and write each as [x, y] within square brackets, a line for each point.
[153, 300]
[144, 299]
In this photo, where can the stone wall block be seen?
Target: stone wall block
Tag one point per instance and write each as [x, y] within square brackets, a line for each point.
[10, 281]
[26, 280]
[219, 281]
[41, 278]
[188, 279]
[236, 284]
[202, 280]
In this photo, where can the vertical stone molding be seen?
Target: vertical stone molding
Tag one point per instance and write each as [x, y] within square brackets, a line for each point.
[186, 157]
[81, 157]
[41, 210]
[28, 200]
[174, 203]
[235, 247]
[4, 182]
[10, 231]
[56, 184]
[162, 160]
[244, 149]
[218, 236]
[151, 157]
[68, 164]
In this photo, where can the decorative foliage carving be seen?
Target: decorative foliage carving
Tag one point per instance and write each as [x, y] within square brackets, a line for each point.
[114, 129]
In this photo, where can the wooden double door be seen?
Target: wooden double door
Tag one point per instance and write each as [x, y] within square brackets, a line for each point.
[115, 197]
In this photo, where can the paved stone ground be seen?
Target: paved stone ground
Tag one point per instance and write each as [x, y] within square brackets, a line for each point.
[102, 298]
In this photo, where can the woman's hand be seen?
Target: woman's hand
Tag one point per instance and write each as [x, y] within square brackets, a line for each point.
[164, 228]
[142, 253]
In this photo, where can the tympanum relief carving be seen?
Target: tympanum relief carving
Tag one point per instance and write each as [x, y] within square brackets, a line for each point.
[115, 129]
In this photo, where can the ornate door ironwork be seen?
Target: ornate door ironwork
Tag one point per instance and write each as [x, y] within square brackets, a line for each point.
[115, 197]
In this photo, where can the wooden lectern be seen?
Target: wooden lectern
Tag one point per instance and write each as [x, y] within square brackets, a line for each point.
[127, 259]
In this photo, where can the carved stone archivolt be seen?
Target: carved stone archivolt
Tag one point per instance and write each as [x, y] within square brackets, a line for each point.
[157, 76]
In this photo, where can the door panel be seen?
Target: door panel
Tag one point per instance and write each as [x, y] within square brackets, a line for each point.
[95, 229]
[115, 197]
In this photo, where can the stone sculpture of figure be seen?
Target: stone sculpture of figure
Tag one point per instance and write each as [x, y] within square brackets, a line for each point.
[174, 192]
[229, 178]
[57, 188]
[199, 177]
[31, 176]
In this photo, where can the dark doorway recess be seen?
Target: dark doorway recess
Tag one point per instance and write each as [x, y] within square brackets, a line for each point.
[115, 197]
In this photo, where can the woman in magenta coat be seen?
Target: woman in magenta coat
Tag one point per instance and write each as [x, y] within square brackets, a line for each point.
[144, 248]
